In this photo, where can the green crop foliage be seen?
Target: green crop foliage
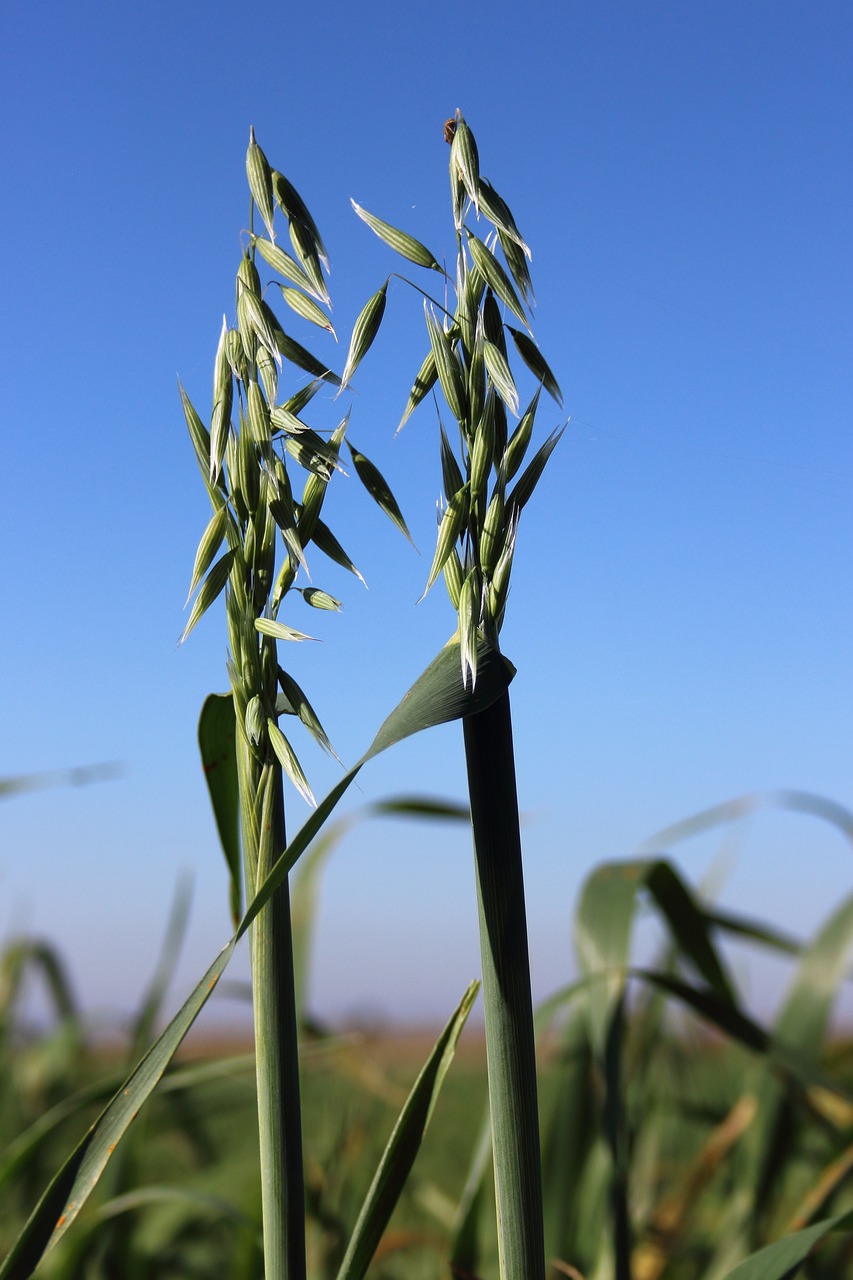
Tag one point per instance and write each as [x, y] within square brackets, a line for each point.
[468, 361]
[736, 1136]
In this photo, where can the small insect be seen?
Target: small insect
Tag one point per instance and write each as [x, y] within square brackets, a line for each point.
[449, 129]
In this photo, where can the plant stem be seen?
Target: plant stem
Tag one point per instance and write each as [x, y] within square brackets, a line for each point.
[276, 1041]
[616, 1132]
[506, 991]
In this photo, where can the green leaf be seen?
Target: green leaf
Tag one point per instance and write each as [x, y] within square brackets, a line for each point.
[753, 931]
[149, 1013]
[803, 1020]
[407, 246]
[465, 1242]
[421, 807]
[210, 589]
[782, 1259]
[536, 363]
[438, 696]
[364, 331]
[604, 925]
[731, 810]
[304, 884]
[495, 276]
[217, 741]
[57, 778]
[69, 1189]
[403, 1146]
[795, 1068]
[376, 485]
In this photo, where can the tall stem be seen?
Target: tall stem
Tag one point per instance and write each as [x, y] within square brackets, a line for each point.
[506, 991]
[276, 1040]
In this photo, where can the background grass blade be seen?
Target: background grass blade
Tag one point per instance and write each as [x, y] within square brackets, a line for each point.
[604, 924]
[403, 1146]
[782, 1259]
[217, 740]
[72, 1185]
[151, 1007]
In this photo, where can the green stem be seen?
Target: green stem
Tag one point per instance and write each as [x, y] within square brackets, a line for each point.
[276, 1041]
[616, 1132]
[510, 1043]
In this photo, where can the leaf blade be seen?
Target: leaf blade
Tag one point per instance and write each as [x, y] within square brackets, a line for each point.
[403, 1145]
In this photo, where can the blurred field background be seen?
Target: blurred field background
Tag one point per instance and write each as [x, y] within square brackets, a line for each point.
[680, 620]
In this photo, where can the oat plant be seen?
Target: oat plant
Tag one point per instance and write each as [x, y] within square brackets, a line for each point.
[252, 551]
[483, 312]
[258, 454]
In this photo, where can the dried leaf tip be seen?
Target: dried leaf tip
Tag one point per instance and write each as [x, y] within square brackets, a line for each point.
[449, 129]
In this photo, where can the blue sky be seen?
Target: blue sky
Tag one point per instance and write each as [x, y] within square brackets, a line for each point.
[680, 615]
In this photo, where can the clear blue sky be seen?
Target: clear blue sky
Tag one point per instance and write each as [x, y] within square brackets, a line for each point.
[681, 615]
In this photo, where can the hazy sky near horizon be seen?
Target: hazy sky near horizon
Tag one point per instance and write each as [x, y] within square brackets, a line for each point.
[681, 611]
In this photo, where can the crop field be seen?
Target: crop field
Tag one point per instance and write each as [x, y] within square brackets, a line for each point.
[729, 1134]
